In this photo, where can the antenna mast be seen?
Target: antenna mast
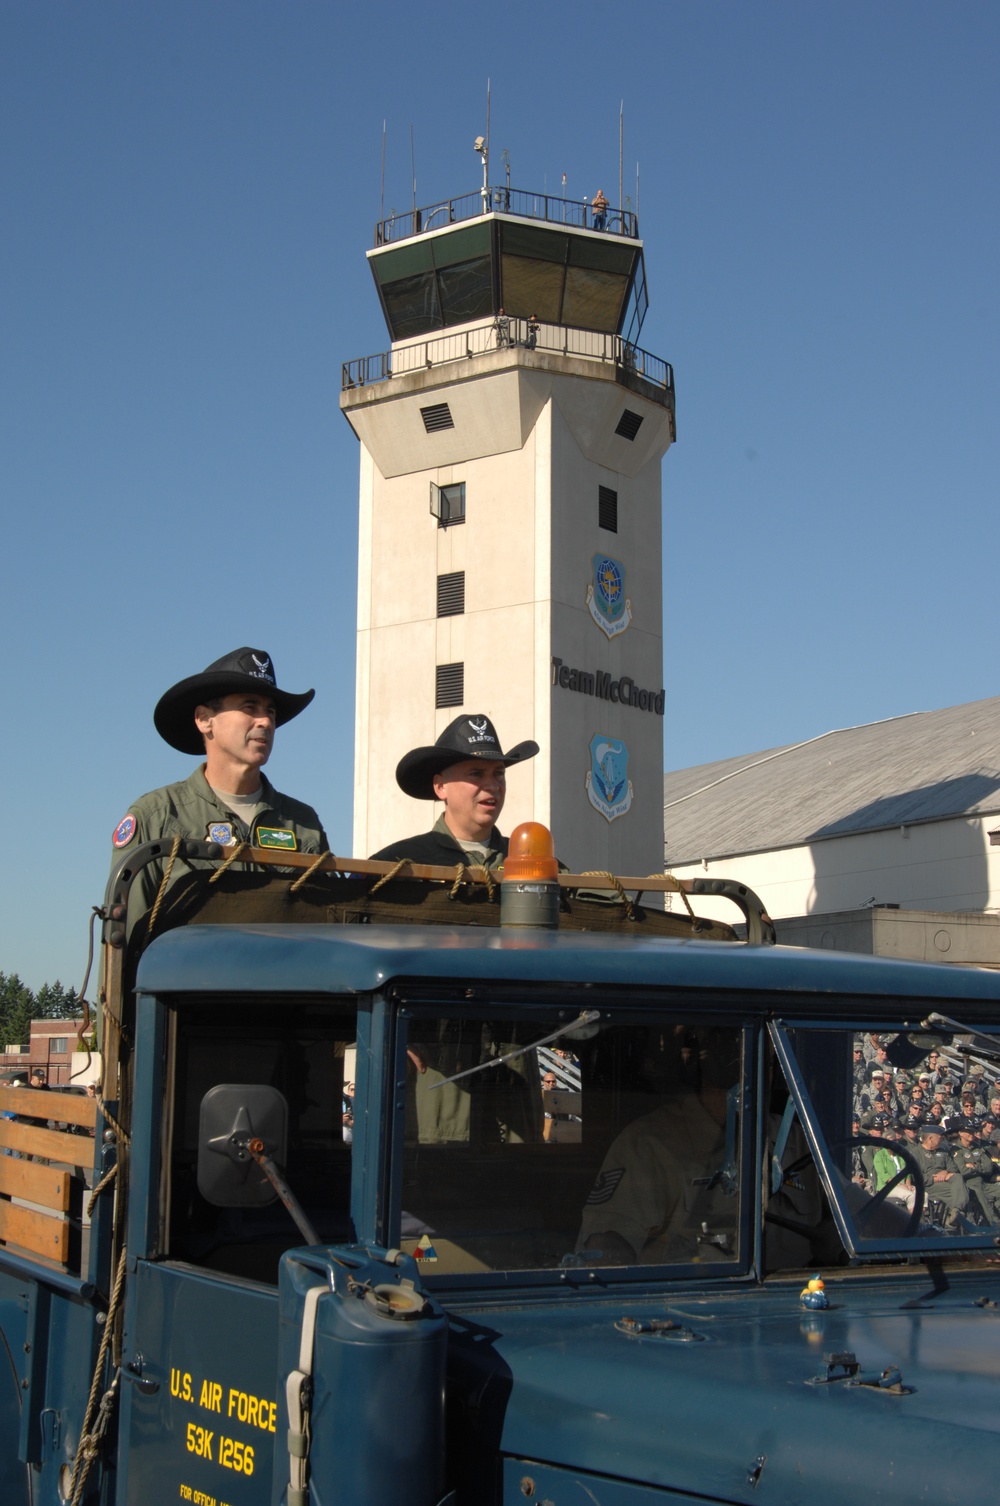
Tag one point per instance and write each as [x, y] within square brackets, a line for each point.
[381, 196]
[621, 149]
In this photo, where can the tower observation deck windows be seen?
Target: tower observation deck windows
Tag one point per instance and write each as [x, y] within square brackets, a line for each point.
[455, 274]
[449, 685]
[448, 504]
[436, 281]
[607, 509]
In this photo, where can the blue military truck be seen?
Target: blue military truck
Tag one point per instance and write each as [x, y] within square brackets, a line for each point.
[442, 1190]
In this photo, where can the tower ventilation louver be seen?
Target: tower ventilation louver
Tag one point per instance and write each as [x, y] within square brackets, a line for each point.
[439, 417]
[628, 424]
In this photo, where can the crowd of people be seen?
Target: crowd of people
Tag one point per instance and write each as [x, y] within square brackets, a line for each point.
[944, 1115]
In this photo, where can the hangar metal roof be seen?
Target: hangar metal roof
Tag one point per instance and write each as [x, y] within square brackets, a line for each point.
[928, 766]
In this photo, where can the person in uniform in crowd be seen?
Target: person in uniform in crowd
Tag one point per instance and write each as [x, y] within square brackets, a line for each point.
[914, 1115]
[870, 1046]
[858, 1068]
[227, 716]
[968, 1113]
[880, 1062]
[466, 769]
[943, 1182]
[978, 1172]
[935, 1071]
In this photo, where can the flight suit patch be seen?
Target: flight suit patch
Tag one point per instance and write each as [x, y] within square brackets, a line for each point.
[124, 831]
[276, 836]
[221, 832]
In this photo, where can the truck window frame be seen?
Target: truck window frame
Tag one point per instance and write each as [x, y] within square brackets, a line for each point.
[626, 1008]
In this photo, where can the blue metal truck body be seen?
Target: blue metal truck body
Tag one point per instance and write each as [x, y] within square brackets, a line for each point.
[535, 1369]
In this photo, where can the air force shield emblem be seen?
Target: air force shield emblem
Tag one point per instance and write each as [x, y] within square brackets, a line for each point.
[606, 599]
[609, 789]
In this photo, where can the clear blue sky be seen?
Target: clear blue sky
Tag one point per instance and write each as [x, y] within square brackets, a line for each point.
[187, 191]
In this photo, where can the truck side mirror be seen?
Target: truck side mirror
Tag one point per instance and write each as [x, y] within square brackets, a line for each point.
[233, 1114]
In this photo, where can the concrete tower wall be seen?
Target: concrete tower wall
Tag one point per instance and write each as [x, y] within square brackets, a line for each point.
[533, 440]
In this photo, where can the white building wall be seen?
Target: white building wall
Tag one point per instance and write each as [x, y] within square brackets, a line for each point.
[939, 865]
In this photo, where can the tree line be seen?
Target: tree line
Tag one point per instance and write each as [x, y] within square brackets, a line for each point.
[19, 1005]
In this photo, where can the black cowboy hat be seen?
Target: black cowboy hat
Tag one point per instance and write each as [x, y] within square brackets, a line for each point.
[244, 669]
[465, 737]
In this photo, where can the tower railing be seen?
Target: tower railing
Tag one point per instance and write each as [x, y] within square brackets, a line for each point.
[631, 363]
[552, 208]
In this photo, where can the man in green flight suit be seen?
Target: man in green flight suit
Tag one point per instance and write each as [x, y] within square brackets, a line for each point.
[227, 714]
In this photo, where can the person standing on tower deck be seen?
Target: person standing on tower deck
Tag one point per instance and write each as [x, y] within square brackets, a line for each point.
[599, 205]
[228, 714]
[466, 769]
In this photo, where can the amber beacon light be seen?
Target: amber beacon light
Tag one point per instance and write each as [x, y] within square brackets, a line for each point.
[529, 893]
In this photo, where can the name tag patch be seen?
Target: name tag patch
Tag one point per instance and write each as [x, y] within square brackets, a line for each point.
[276, 836]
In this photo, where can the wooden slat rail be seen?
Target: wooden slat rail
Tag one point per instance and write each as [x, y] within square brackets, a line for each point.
[267, 858]
[40, 1203]
[39, 1103]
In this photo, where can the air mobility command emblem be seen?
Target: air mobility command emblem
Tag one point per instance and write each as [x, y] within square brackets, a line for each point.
[609, 789]
[606, 599]
[221, 832]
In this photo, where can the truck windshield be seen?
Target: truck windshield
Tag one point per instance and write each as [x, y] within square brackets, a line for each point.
[615, 1144]
[904, 1130]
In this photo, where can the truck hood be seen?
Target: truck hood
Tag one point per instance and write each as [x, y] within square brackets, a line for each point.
[745, 1378]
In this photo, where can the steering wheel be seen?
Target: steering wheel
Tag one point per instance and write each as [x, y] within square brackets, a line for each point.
[911, 1168]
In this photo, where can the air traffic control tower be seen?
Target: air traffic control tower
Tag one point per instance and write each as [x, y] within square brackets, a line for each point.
[510, 546]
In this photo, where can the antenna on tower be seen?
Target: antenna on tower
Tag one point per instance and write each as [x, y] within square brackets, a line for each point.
[413, 176]
[381, 196]
[621, 152]
[482, 146]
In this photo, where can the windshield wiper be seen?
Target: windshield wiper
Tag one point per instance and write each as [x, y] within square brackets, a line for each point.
[941, 1021]
[588, 1017]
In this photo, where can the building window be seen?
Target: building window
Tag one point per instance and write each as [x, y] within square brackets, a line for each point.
[449, 688]
[628, 424]
[448, 504]
[451, 594]
[607, 509]
[57, 1045]
[439, 417]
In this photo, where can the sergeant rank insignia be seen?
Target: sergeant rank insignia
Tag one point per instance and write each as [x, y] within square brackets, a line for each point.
[609, 788]
[606, 599]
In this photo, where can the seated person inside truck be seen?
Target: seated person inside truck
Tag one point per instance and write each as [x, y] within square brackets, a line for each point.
[227, 714]
[661, 1194]
[466, 770]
